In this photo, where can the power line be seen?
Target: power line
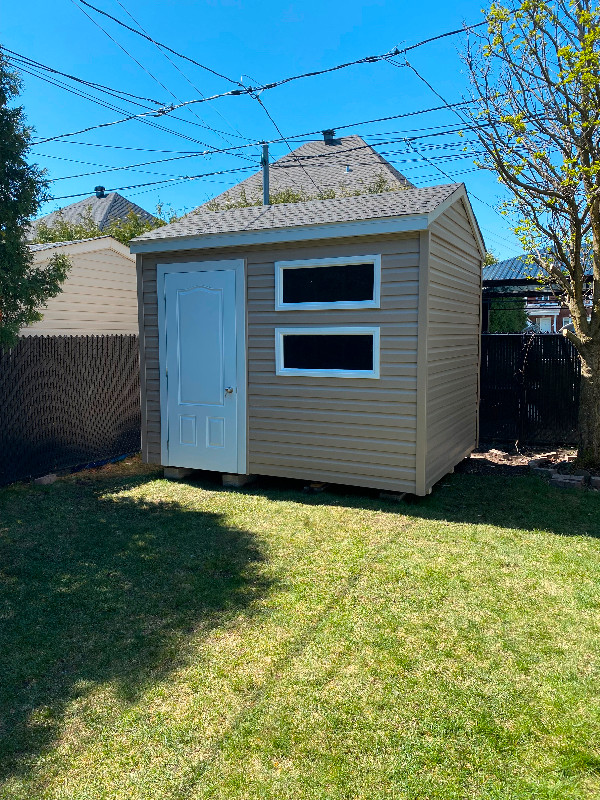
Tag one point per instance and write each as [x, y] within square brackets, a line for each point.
[262, 105]
[164, 53]
[161, 44]
[19, 60]
[131, 56]
[443, 35]
[154, 183]
[251, 90]
[151, 74]
[299, 160]
[107, 168]
[91, 84]
[104, 104]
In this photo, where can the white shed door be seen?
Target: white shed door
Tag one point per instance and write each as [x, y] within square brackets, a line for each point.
[201, 370]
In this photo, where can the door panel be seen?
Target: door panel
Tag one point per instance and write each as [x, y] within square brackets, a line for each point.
[200, 316]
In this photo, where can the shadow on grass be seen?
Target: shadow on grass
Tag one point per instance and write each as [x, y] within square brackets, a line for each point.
[99, 590]
[515, 500]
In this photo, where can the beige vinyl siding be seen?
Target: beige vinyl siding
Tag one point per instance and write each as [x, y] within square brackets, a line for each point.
[98, 297]
[453, 341]
[345, 430]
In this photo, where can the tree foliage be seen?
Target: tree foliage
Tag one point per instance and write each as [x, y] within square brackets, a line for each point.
[24, 287]
[124, 230]
[535, 75]
[507, 315]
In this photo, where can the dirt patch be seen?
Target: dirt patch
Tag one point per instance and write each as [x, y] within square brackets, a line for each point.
[493, 461]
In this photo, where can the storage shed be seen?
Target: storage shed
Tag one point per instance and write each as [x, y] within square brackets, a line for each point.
[330, 340]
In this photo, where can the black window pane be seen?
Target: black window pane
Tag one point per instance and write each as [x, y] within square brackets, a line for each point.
[342, 282]
[335, 351]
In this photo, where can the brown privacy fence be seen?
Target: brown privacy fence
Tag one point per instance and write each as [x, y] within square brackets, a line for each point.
[529, 389]
[67, 401]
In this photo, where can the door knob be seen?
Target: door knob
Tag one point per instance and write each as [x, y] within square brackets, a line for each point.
[229, 390]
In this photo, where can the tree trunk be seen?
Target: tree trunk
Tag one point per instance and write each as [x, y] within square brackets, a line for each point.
[589, 406]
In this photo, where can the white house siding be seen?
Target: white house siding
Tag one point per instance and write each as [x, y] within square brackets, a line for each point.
[98, 297]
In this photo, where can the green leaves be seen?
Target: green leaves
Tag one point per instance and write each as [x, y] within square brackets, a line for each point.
[23, 187]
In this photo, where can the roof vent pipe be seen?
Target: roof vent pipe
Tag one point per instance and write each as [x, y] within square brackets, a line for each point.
[99, 191]
[264, 162]
[329, 136]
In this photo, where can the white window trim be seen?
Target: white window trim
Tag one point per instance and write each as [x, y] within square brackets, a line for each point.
[327, 373]
[280, 266]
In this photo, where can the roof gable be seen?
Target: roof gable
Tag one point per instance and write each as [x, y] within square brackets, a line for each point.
[345, 165]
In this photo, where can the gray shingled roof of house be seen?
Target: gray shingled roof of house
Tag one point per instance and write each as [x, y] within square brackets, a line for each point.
[103, 211]
[314, 212]
[348, 164]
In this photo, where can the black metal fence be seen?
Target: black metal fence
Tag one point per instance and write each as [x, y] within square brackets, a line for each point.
[529, 389]
[67, 401]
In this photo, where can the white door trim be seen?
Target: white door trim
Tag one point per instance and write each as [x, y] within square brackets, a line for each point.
[239, 266]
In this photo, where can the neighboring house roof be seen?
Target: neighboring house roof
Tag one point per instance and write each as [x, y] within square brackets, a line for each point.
[512, 269]
[519, 268]
[50, 245]
[347, 164]
[98, 243]
[103, 211]
[388, 212]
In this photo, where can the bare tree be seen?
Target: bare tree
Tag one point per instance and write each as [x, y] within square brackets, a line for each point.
[535, 76]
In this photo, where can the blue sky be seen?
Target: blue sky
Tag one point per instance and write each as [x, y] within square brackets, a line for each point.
[254, 42]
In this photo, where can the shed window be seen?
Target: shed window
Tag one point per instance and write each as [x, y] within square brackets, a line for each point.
[328, 352]
[328, 283]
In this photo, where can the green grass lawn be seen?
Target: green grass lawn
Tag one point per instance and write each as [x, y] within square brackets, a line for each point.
[178, 640]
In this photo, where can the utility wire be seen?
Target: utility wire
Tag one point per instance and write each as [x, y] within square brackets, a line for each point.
[134, 167]
[299, 161]
[171, 181]
[131, 56]
[160, 44]
[104, 104]
[173, 63]
[91, 84]
[19, 61]
[151, 75]
[252, 90]
[277, 128]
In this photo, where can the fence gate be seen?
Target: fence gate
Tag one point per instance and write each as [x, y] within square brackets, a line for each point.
[67, 401]
[529, 389]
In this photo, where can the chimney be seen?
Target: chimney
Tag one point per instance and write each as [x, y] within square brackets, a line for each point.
[99, 191]
[329, 136]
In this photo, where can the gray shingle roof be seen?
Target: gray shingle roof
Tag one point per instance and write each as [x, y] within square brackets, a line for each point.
[313, 212]
[103, 211]
[348, 164]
